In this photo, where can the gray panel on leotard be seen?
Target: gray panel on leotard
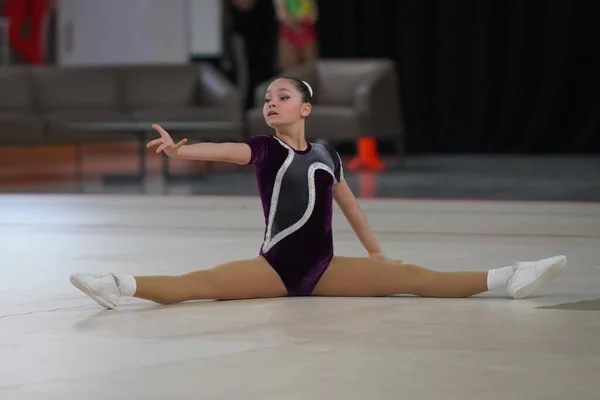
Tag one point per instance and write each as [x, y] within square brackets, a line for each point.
[293, 199]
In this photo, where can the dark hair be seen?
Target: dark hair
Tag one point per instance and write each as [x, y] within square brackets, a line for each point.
[302, 87]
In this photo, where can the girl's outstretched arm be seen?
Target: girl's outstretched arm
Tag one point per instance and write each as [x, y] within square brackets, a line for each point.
[356, 217]
[237, 153]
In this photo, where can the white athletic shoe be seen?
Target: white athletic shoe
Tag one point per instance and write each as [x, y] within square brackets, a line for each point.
[102, 288]
[528, 276]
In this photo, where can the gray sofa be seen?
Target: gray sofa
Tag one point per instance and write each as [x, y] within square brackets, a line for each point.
[39, 105]
[352, 99]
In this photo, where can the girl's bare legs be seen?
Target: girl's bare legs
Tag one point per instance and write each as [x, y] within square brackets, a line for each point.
[242, 279]
[359, 276]
[289, 56]
[310, 52]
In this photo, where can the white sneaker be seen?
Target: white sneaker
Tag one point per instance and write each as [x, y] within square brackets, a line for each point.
[102, 288]
[528, 276]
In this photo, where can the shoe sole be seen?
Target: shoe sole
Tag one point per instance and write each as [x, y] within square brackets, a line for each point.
[83, 287]
[549, 274]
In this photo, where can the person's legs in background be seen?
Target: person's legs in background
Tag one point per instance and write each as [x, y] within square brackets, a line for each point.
[250, 22]
[309, 51]
[289, 55]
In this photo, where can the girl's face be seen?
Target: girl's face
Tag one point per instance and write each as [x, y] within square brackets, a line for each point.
[283, 104]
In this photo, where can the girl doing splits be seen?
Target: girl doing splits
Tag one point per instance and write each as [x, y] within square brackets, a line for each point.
[298, 182]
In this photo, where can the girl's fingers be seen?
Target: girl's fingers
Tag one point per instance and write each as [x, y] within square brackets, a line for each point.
[164, 140]
[162, 147]
[180, 143]
[154, 142]
[160, 130]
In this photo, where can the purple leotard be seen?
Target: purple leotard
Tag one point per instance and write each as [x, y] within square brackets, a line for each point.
[296, 189]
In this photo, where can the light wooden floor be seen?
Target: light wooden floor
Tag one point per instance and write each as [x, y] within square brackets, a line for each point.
[55, 343]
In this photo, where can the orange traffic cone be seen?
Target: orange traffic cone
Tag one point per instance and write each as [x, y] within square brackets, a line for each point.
[367, 156]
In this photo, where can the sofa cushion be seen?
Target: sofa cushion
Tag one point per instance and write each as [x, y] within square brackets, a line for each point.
[86, 115]
[338, 80]
[155, 86]
[333, 123]
[76, 87]
[15, 90]
[185, 114]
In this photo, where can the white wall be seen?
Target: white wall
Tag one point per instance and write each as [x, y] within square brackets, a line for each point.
[108, 32]
[205, 20]
[101, 32]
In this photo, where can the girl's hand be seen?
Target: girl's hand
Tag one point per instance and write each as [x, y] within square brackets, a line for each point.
[166, 142]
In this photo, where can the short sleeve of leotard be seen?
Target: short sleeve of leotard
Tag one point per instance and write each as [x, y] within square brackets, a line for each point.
[258, 148]
[338, 171]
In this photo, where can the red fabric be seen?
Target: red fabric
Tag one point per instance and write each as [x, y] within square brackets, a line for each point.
[18, 12]
[305, 34]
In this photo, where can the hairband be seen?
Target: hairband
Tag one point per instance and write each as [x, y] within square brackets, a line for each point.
[309, 88]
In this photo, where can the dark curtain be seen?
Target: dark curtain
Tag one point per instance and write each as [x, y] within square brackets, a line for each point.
[482, 75]
[258, 29]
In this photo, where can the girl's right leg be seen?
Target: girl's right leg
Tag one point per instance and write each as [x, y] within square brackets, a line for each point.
[289, 55]
[242, 279]
[309, 52]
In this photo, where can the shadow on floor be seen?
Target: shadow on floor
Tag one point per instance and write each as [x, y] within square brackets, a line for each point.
[587, 305]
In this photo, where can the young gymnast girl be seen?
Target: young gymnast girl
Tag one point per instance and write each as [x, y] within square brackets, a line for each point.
[298, 182]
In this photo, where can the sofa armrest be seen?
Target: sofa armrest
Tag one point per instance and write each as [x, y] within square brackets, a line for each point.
[378, 104]
[217, 90]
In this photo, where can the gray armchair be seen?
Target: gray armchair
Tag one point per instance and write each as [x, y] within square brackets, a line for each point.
[352, 99]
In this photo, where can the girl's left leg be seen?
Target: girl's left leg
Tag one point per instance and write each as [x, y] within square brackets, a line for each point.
[288, 55]
[309, 52]
[355, 276]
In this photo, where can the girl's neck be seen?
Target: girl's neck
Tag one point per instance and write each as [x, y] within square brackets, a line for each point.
[293, 138]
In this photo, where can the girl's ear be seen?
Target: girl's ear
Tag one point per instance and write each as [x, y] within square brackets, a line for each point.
[306, 108]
